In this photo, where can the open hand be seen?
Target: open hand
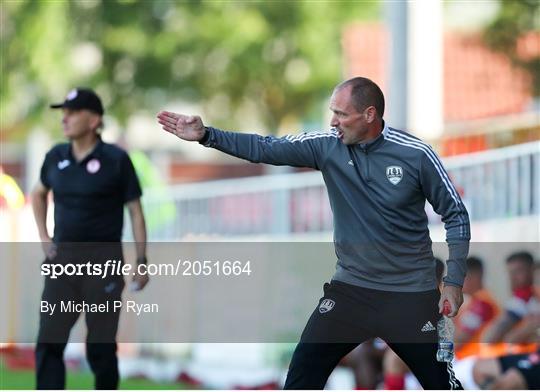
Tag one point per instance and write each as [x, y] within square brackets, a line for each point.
[190, 128]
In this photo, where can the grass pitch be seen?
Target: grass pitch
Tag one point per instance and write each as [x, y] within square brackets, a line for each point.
[25, 379]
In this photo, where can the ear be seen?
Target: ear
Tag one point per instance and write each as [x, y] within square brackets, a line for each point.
[95, 120]
[371, 114]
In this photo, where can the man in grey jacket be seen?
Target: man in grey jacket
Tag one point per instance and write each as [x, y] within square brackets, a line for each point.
[378, 179]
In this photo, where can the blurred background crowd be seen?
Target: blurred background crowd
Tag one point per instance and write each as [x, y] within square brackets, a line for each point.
[463, 75]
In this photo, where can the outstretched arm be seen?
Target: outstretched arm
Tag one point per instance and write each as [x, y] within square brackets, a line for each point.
[303, 150]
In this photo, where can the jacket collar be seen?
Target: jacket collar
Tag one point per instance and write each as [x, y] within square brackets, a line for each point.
[373, 144]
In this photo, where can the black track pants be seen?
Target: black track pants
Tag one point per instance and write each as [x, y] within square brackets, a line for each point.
[349, 315]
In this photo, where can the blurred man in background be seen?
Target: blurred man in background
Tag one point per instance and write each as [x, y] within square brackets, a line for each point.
[520, 267]
[378, 180]
[516, 362]
[91, 181]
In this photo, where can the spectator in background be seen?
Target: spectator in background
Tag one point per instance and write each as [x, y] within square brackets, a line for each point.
[528, 331]
[520, 269]
[522, 370]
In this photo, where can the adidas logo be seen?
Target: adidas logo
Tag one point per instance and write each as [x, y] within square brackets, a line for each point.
[351, 162]
[428, 327]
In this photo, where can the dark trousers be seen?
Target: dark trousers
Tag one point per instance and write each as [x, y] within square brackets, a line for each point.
[348, 315]
[54, 329]
[51, 371]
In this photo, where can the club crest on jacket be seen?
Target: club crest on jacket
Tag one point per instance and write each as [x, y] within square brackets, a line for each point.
[394, 174]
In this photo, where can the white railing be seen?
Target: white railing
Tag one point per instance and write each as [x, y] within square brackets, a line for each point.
[494, 184]
[499, 183]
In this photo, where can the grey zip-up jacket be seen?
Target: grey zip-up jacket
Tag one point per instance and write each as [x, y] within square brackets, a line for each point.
[377, 193]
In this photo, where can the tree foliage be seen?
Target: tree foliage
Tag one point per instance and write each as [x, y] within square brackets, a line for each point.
[275, 58]
[516, 18]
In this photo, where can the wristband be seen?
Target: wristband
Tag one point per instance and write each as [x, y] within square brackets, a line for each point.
[142, 260]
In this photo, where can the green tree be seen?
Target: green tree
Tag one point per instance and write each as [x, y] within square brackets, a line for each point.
[276, 58]
[514, 19]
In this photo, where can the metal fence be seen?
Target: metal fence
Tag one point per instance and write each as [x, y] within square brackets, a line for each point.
[494, 184]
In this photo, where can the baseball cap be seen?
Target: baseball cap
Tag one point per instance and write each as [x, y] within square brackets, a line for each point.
[81, 98]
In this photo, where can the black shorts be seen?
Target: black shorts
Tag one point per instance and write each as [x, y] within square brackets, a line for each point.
[527, 364]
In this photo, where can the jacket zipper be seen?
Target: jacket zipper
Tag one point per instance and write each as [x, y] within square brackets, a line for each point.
[368, 178]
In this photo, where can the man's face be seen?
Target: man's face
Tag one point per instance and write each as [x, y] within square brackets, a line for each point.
[78, 123]
[521, 274]
[351, 125]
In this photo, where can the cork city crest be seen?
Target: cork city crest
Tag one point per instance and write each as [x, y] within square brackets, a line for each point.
[394, 174]
[326, 305]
